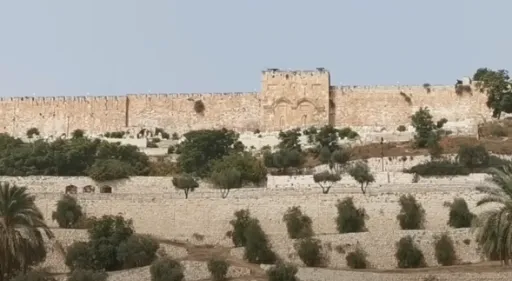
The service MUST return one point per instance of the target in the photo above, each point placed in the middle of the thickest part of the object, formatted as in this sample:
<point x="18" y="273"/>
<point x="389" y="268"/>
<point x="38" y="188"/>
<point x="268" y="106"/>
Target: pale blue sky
<point x="126" y="46"/>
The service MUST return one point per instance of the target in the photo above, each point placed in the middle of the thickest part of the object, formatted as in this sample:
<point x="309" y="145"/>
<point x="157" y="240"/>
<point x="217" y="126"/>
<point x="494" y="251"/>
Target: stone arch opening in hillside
<point x="89" y="189"/>
<point x="106" y="189"/>
<point x="71" y="189"/>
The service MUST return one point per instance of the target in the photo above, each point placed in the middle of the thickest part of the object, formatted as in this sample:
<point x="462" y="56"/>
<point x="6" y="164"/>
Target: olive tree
<point x="361" y="173"/>
<point x="227" y="179"/>
<point x="186" y="183"/>
<point x="326" y="180"/>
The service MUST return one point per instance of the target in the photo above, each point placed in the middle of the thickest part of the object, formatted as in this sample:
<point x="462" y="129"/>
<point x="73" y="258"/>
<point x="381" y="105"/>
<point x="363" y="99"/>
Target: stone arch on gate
<point x="106" y="189"/>
<point x="306" y="110"/>
<point x="71" y="189"/>
<point x="89" y="189"/>
<point x="282" y="107"/>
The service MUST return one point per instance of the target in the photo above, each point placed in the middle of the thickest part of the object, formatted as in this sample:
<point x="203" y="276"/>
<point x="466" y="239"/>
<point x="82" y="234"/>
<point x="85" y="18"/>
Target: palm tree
<point x="22" y="228"/>
<point x="493" y="227"/>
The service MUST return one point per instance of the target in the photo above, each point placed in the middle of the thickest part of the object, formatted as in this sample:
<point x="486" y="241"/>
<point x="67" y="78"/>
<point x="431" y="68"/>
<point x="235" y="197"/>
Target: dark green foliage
<point x="310" y="252"/>
<point x="439" y="168"/>
<point x="445" y="250"/>
<point x="298" y="224"/>
<point x="175" y="136"/>
<point x="32" y="132"/>
<point x="257" y="246"/>
<point x="170" y="149"/>
<point x="426" y="130"/>
<point x="109" y="169"/>
<point x="357" y="259"/>
<point x="166" y="269"/>
<point x="218" y="269"/>
<point x="326" y="180"/>
<point x="68" y="212"/>
<point x="401" y="128"/>
<point x="412" y="214"/>
<point x="34" y="276"/>
<point x="283" y="160"/>
<point x="361" y="173"/>
<point x="473" y="156"/>
<point x="327" y="137"/>
<point x="78" y="134"/>
<point x="497" y="85"/>
<point x="289" y="140"/>
<point x="87" y="275"/>
<point x="162" y="132"/>
<point x="185" y="182"/>
<point x="408" y="255"/>
<point x="460" y="216"/>
<point x="282" y="272"/>
<point x="201" y="147"/>
<point x="348" y="133"/>
<point x="73" y="157"/>
<point x="240" y="224"/>
<point x="115" y="135"/>
<point x="112" y="246"/>
<point x="350" y="219"/>
<point x="252" y="170"/>
<point x="137" y="251"/>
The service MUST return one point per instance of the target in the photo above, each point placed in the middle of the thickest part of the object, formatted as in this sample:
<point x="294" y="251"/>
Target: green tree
<point x="473" y="157"/>
<point x="137" y="251"/>
<point x="283" y="160"/>
<point x="22" y="231"/>
<point x="68" y="212"/>
<point x="361" y="173"/>
<point x="252" y="169"/>
<point x="350" y="219"/>
<point x="186" y="183"/>
<point x="166" y="269"/>
<point x="493" y="227"/>
<point x="326" y="180"/>
<point x="428" y="132"/>
<point x="225" y="180"/>
<point x="257" y="246"/>
<point x="240" y="224"/>
<point x="289" y="140"/>
<point x="201" y="147"/>
<point x="497" y="85"/>
<point x="218" y="269"/>
<point x="282" y="272"/>
<point x="412" y="214"/>
<point x="32" y="132"/>
<point x="109" y="169"/>
<point x="459" y="215"/>
<point x="298" y="224"/>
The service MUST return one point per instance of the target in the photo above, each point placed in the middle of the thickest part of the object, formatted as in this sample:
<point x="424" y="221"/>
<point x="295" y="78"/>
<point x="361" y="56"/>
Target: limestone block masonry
<point x="286" y="99"/>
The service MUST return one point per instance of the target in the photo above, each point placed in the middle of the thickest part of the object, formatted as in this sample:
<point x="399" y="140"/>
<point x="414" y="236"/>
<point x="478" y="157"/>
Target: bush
<point x="79" y="256"/>
<point x="460" y="216"/>
<point x="350" y="219"/>
<point x="412" y="214"/>
<point x="199" y="106"/>
<point x="34" y="276"/>
<point x="408" y="255"/>
<point x="444" y="250"/>
<point x="473" y="156"/>
<point x="218" y="269"/>
<point x="282" y="272"/>
<point x="166" y="269"/>
<point x="357" y="259"/>
<point x="310" y="252"/>
<point x="401" y="128"/>
<point x="87" y="275"/>
<point x="240" y="224"/>
<point x="170" y="149"/>
<point x="32" y="132"/>
<point x="68" y="212"/>
<point x="439" y="168"/>
<point x="257" y="247"/>
<point x="137" y="251"/>
<point x="298" y="224"/>
<point x="110" y="169"/>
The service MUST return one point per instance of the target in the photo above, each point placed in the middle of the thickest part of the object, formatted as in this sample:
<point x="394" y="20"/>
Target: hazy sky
<point x="111" y="47"/>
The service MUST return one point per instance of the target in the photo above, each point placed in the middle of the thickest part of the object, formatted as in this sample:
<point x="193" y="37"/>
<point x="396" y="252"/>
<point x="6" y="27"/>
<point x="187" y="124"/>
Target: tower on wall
<point x="291" y="99"/>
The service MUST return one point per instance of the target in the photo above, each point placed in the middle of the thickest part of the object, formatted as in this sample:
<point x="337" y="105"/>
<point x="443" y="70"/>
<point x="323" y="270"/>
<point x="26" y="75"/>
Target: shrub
<point x="166" y="269"/>
<point x="79" y="256"/>
<point x="357" y="259"/>
<point x="257" y="247"/>
<point x="34" y="276"/>
<point x="439" y="168"/>
<point x="444" y="250"/>
<point x="282" y="272"/>
<point x="401" y="128"/>
<point x="350" y="219"/>
<point x="218" y="269"/>
<point x="109" y="169"/>
<point x="408" y="255"/>
<point x="460" y="216"/>
<point x="175" y="136"/>
<point x="240" y="224"/>
<point x="68" y="212"/>
<point x="348" y="133"/>
<point x="412" y="214"/>
<point x="138" y="250"/>
<point x="170" y="149"/>
<point x="87" y="275"/>
<point x="473" y="156"/>
<point x="310" y="252"/>
<point x="199" y="106"/>
<point x="298" y="224"/>
<point x="32" y="132"/>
